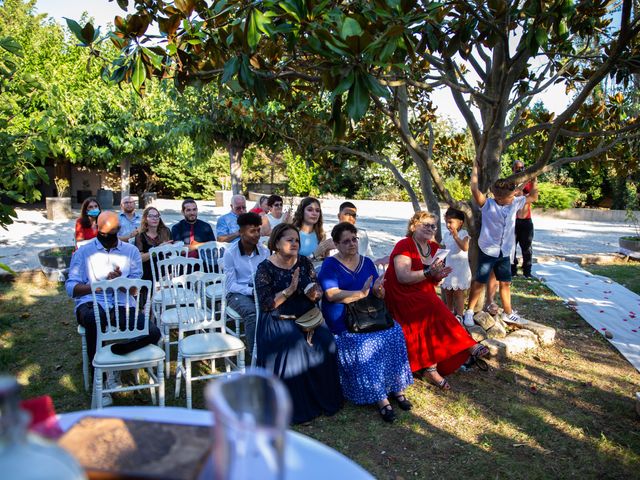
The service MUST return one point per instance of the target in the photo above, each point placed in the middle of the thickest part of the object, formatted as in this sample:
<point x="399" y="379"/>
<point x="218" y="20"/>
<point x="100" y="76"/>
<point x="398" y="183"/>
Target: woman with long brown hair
<point x="308" y="220"/>
<point x="153" y="233"/>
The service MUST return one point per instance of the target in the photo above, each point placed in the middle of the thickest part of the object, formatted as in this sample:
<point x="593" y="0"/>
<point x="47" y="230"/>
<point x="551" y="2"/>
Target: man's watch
<point x="426" y="270"/>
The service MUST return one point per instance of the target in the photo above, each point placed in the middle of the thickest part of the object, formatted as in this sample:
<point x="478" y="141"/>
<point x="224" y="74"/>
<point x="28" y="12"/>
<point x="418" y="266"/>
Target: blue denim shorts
<point x="500" y="265"/>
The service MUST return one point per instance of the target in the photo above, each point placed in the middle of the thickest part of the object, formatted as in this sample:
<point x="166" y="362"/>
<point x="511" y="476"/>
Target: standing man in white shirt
<point x="240" y="263"/>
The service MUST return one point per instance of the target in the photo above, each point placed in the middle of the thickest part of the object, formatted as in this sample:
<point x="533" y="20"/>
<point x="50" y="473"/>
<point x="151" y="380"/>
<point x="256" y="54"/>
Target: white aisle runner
<point x="605" y="305"/>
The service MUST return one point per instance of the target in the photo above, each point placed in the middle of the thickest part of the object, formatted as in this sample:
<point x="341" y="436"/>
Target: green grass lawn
<point x="557" y="412"/>
<point x="627" y="274"/>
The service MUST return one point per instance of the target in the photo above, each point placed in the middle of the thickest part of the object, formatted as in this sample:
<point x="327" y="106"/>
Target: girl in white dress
<point x="458" y="281"/>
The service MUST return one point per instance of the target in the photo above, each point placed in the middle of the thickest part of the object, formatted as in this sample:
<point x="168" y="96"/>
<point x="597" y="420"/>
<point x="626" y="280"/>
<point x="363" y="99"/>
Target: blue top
<point x="308" y="243"/>
<point x="334" y="274"/>
<point x="202" y="232"/>
<point x="92" y="262"/>
<point x="228" y="224"/>
<point x="128" y="225"/>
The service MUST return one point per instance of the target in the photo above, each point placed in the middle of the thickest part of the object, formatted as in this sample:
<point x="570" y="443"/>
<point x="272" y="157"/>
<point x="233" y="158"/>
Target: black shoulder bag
<point x="368" y="314"/>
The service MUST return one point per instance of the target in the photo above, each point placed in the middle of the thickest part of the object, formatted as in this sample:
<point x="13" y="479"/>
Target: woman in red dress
<point x="436" y="342"/>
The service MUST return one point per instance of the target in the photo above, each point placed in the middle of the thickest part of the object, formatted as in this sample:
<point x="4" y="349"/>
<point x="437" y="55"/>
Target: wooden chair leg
<point x="85" y="362"/>
<point x="152" y="387"/>
<point x="97" y="381"/>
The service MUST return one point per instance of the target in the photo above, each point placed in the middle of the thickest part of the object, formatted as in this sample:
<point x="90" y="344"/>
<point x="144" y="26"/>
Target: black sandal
<point x="387" y="413"/>
<point x="442" y="384"/>
<point x="403" y="403"/>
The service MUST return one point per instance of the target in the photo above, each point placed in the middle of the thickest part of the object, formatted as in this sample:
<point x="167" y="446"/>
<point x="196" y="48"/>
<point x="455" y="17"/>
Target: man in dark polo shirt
<point x="190" y="230"/>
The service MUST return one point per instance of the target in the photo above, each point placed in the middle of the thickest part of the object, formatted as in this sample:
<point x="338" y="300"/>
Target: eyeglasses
<point x="278" y="204"/>
<point x="350" y="240"/>
<point x="519" y="169"/>
<point x="240" y="209"/>
<point x="153" y="216"/>
<point x="431" y="226"/>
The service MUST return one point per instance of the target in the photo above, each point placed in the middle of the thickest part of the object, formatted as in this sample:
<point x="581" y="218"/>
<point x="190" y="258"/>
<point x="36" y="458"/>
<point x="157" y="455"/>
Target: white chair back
<point x="211" y="254"/>
<point x="123" y="292"/>
<point x="163" y="252"/>
<point x="175" y="266"/>
<point x="196" y="313"/>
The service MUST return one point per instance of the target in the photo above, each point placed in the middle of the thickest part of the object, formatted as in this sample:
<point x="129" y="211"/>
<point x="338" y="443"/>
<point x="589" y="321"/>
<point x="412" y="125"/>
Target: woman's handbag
<point x="368" y="314"/>
<point x="309" y="321"/>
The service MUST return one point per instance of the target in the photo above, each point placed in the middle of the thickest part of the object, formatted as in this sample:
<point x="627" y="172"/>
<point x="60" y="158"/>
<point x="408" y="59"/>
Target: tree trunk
<point x="235" y="167"/>
<point x="125" y="176"/>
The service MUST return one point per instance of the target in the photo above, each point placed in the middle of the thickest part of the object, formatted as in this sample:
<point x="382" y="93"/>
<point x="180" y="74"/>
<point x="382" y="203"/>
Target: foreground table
<point x="305" y="458"/>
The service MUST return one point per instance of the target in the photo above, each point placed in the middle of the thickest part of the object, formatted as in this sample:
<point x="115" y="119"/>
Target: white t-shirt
<point x="498" y="227"/>
<point x="273" y="221"/>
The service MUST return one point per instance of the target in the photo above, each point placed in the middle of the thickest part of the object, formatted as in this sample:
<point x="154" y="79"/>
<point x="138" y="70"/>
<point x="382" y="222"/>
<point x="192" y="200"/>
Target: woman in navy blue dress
<point x="286" y="288"/>
<point x="373" y="366"/>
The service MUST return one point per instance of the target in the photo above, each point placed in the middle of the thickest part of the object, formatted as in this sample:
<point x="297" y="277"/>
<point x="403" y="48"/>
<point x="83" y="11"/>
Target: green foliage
<point x="556" y="196"/>
<point x="458" y="190"/>
<point x="302" y="175"/>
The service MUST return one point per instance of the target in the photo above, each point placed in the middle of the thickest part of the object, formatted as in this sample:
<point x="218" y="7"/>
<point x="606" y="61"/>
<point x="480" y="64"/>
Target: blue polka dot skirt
<point x="373" y="365"/>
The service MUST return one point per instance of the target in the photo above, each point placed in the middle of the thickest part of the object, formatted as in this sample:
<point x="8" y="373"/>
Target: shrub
<point x="556" y="196"/>
<point x="302" y="175"/>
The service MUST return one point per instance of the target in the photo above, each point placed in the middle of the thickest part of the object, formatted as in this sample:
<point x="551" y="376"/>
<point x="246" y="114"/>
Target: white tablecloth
<point x="305" y="458"/>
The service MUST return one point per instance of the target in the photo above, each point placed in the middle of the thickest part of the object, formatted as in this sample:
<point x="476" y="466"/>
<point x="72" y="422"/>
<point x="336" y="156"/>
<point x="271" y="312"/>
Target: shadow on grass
<point x="561" y="411"/>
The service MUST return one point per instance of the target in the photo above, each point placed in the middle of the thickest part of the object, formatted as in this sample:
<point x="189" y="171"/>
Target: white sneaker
<point x="513" y="318"/>
<point x="468" y="319"/>
<point x="107" y="401"/>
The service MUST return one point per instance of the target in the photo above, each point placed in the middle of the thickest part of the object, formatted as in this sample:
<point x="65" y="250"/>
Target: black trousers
<point x="524" y="238"/>
<point x="86" y="318"/>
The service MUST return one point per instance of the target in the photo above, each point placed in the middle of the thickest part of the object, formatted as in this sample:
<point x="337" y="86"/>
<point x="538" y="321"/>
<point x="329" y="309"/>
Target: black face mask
<point x="108" y="240"/>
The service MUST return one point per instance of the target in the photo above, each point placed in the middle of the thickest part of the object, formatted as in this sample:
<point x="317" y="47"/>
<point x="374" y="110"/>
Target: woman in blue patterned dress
<point x="286" y="288"/>
<point x="373" y="366"/>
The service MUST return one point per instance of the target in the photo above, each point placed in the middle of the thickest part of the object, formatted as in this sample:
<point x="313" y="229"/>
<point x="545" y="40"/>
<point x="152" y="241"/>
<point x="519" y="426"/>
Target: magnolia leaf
<point x="231" y="67"/>
<point x="11" y="46"/>
<point x="6" y="268"/>
<point x="139" y="73"/>
<point x="88" y="33"/>
<point x="76" y="29"/>
<point x="344" y="85"/>
<point x="358" y="99"/>
<point x="541" y="37"/>
<point x="350" y="28"/>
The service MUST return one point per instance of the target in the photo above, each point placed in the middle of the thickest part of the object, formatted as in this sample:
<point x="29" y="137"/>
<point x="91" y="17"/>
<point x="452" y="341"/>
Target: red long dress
<point x="432" y="333"/>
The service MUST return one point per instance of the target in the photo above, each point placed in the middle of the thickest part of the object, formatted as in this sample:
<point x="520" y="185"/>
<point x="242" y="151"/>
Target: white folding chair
<point x="211" y="254"/>
<point x="156" y="255"/>
<point x="167" y="319"/>
<point x="125" y="292"/>
<point x="202" y="331"/>
<point x="85" y="356"/>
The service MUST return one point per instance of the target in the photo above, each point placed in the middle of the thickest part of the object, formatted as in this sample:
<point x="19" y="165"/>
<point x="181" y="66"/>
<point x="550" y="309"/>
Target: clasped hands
<point x="378" y="287"/>
<point x="313" y="290"/>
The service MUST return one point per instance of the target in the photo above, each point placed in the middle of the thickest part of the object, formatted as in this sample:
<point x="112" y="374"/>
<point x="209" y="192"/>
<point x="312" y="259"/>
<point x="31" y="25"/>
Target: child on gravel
<point x="497" y="241"/>
<point x="458" y="281"/>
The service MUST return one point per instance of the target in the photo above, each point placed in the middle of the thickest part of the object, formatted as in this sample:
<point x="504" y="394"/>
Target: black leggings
<point x="524" y="237"/>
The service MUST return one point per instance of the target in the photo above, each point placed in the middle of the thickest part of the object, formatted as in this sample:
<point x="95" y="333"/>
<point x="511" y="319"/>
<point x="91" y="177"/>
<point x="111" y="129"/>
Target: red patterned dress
<point x="432" y="333"/>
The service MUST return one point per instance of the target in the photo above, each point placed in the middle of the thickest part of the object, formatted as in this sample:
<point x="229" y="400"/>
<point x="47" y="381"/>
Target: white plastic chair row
<point x="202" y="332"/>
<point x="129" y="294"/>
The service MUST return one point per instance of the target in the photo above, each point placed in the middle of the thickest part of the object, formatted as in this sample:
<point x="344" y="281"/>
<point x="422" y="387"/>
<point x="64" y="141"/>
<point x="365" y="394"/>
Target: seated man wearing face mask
<point x="104" y="258"/>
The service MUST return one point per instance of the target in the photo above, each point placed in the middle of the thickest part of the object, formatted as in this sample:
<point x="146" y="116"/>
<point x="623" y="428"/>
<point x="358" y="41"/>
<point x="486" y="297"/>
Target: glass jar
<point x="23" y="455"/>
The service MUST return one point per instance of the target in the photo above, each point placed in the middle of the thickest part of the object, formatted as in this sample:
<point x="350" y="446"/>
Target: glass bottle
<point x="26" y="456"/>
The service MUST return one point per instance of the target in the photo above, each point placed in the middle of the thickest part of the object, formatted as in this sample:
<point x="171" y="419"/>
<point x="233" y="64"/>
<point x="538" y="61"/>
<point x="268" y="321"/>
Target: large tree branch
<point x="466" y="112"/>
<point x="625" y="36"/>
<point x="385" y="162"/>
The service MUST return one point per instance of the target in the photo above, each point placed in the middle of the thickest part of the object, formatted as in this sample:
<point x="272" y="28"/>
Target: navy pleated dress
<point x="310" y="372"/>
